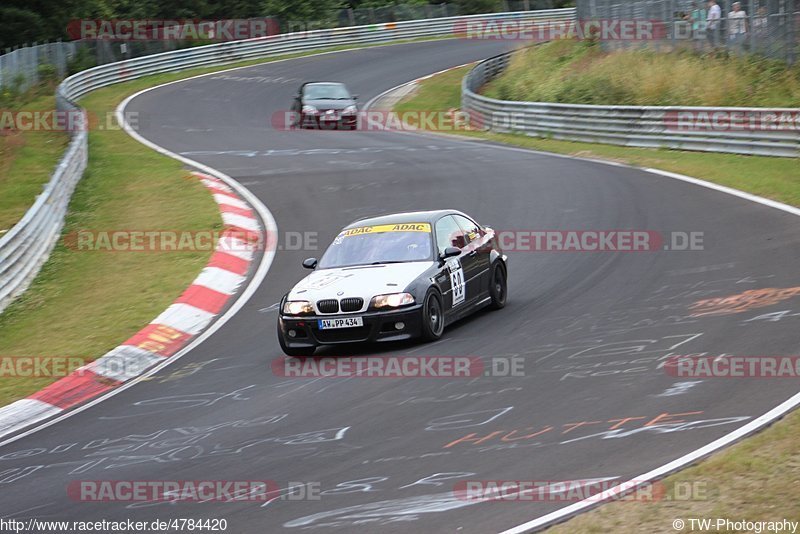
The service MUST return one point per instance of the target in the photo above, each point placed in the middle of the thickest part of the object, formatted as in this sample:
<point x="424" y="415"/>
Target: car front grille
<point x="352" y="304"/>
<point x="328" y="306"/>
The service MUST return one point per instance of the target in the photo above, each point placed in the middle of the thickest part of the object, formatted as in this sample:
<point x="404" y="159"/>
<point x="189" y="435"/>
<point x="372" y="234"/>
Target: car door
<point x="478" y="250"/>
<point x="474" y="262"/>
<point x="450" y="234"/>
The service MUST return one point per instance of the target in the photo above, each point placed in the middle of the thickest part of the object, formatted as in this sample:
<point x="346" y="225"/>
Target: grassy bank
<point x="754" y="480"/>
<point x="776" y="178"/>
<point x="26" y="157"/>
<point x="579" y="73"/>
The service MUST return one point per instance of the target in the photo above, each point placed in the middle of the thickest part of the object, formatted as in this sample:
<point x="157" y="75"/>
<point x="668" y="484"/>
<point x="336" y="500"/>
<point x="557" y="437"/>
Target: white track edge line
<point x="756" y="424"/>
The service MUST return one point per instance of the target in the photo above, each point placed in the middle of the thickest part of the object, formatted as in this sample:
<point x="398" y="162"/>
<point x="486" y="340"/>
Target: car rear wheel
<point x="432" y="317"/>
<point x="297" y="352"/>
<point x="498" y="286"/>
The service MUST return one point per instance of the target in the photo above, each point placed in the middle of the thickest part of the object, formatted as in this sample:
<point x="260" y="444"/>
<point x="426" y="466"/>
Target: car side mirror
<point x="355" y="97"/>
<point x="310" y="263"/>
<point x="450" y="252"/>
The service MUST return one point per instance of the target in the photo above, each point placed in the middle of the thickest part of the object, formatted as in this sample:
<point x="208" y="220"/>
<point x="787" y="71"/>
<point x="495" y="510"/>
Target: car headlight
<point x="310" y="110"/>
<point x="392" y="300"/>
<point x="349" y="110"/>
<point x="297" y="307"/>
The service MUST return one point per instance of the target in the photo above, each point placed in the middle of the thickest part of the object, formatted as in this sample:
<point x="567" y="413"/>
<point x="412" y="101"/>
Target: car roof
<point x="405" y="217"/>
<point x="322" y="83"/>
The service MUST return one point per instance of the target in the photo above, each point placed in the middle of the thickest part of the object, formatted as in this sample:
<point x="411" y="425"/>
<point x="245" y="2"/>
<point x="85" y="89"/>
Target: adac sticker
<point x="404" y="227"/>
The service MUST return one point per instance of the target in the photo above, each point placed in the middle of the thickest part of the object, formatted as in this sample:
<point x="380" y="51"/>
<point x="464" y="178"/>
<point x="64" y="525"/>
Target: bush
<point x="84" y="59"/>
<point x="47" y="73"/>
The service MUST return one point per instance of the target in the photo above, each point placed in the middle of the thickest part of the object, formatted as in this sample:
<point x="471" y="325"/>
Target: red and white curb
<point x="188" y="316"/>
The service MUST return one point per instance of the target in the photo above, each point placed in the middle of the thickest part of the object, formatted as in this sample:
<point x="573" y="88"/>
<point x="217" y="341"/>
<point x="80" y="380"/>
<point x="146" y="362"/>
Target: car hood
<point x="325" y="103"/>
<point x="363" y="281"/>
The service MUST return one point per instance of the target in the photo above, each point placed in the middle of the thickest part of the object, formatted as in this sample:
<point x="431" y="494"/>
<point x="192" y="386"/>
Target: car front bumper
<point x="378" y="326"/>
<point x="319" y="121"/>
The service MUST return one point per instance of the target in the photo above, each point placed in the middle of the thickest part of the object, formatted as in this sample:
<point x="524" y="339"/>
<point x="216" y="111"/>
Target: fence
<point x="766" y="27"/>
<point x="638" y="126"/>
<point x="19" y="69"/>
<point x="26" y="246"/>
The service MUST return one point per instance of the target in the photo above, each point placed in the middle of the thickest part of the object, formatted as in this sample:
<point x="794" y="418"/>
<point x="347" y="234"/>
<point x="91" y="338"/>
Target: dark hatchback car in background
<point x="325" y="106"/>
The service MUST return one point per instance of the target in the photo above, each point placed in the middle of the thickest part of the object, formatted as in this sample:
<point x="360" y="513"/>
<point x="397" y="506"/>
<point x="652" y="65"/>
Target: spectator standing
<point x="713" y="22"/>
<point x="737" y="27"/>
<point x="698" y="19"/>
<point x="761" y="28"/>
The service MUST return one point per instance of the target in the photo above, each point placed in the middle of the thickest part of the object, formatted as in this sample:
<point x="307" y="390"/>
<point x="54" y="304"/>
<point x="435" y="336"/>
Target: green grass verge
<point x="775" y="178"/>
<point x="581" y="73"/>
<point x="26" y="159"/>
<point x="754" y="480"/>
<point x="83" y="304"/>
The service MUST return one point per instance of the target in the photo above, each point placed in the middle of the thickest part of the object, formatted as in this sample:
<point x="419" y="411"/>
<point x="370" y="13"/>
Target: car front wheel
<point x="432" y="317"/>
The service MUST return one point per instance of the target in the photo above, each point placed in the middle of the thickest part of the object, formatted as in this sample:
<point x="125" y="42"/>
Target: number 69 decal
<point x="456" y="281"/>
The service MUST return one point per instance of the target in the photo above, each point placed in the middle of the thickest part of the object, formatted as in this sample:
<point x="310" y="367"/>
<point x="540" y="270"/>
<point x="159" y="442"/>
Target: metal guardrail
<point x="27" y="245"/>
<point x="636" y="126"/>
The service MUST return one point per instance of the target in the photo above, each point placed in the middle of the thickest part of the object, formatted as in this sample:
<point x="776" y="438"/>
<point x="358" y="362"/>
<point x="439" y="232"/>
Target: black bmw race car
<point x="394" y="277"/>
<point x="325" y="105"/>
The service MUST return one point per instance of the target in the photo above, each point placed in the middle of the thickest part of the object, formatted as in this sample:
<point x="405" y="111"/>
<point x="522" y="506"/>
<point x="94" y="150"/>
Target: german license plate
<point x="344" y="322"/>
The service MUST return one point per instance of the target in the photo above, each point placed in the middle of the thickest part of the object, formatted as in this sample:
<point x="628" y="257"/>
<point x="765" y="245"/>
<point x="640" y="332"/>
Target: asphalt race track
<point x="592" y="329"/>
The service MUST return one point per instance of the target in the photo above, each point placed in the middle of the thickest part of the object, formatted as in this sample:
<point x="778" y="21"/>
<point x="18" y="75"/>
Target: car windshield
<point x="375" y="245"/>
<point x="331" y="91"/>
